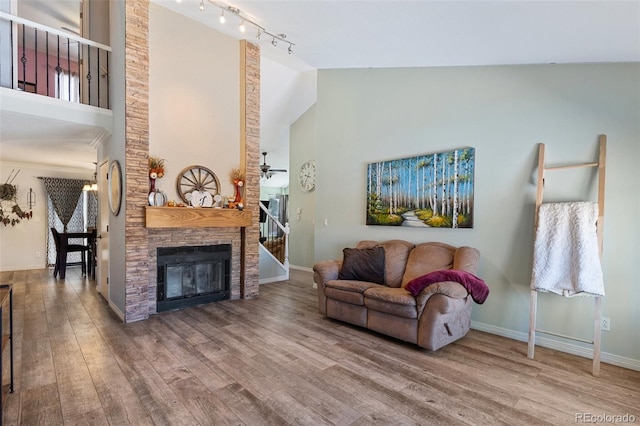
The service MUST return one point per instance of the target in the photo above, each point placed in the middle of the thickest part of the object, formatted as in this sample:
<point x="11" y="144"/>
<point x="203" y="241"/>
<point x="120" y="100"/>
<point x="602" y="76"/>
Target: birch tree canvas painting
<point x="432" y="190"/>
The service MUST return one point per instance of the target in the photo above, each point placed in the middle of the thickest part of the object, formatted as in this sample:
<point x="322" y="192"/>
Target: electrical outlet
<point x="605" y="324"/>
<point x="38" y="255"/>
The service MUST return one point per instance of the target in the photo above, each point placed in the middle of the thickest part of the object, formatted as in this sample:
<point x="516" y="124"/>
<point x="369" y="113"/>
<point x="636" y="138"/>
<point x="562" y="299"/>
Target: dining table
<point x="90" y="236"/>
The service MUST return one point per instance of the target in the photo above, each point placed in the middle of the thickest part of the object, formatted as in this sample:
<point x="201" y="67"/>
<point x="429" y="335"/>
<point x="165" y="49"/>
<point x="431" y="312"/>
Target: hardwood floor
<point x="276" y="360"/>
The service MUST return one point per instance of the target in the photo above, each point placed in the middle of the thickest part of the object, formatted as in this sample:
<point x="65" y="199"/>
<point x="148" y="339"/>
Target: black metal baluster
<point x="58" y="68"/>
<point x="12" y="64"/>
<point x="98" y="76"/>
<point x="46" y="42"/>
<point x="24" y="61"/>
<point x="89" y="75"/>
<point x="69" y="67"/>
<point x="36" y="61"/>
<point x="108" y="77"/>
<point x="79" y="80"/>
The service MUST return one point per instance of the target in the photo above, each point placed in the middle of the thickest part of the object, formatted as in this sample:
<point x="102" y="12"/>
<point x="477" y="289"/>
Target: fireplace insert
<point x="193" y="275"/>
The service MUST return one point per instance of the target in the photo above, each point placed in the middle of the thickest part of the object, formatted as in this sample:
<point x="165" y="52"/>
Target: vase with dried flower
<point x="156" y="171"/>
<point x="237" y="177"/>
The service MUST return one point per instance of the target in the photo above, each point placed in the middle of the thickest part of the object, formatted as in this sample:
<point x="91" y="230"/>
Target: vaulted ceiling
<point x="404" y="33"/>
<point x="386" y="33"/>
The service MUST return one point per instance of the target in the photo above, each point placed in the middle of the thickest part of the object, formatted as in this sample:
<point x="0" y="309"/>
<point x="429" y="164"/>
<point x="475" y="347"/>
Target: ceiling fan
<point x="266" y="171"/>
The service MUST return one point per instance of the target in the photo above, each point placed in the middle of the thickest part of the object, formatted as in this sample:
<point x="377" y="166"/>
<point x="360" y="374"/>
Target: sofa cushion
<point x="428" y="257"/>
<point x="350" y="297"/>
<point x="351" y="285"/>
<point x="396" y="253"/>
<point x="396" y="301"/>
<point x="365" y="264"/>
<point x="348" y="291"/>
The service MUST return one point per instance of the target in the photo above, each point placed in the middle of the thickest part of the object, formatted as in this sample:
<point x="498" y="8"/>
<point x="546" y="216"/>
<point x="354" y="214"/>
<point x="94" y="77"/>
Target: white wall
<point x="114" y="149"/>
<point x="194" y="98"/>
<point x="302" y="205"/>
<point x="370" y="115"/>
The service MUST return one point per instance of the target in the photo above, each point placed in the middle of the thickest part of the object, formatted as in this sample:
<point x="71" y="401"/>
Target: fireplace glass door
<point x="193" y="275"/>
<point x="193" y="279"/>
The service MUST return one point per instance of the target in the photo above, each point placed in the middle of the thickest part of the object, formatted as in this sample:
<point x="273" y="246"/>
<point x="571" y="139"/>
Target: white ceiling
<point x="29" y="139"/>
<point x="372" y="33"/>
<point x="401" y="33"/>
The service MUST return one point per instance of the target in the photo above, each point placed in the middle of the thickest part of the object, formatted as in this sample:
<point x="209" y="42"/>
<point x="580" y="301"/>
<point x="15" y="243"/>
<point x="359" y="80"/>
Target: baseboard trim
<point x="117" y="311"/>
<point x="272" y="279"/>
<point x="301" y="268"/>
<point x="620" y="361"/>
<point x="23" y="268"/>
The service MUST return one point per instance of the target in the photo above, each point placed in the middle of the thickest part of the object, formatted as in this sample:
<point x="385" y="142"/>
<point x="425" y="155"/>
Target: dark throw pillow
<point x="363" y="265"/>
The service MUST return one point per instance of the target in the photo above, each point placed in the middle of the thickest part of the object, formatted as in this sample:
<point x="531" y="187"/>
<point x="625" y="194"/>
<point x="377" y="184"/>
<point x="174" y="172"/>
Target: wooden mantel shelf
<point x="190" y="217"/>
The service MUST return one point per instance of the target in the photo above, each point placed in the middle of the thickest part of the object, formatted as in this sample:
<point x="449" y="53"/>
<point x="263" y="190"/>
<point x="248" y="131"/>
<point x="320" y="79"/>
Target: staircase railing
<point x="274" y="236"/>
<point x="54" y="63"/>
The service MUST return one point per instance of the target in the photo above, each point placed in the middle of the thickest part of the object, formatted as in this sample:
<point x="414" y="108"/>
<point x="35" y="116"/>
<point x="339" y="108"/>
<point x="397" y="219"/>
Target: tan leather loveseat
<point x="369" y="289"/>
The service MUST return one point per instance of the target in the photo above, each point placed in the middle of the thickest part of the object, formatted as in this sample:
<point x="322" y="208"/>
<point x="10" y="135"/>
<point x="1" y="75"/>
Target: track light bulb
<point x="201" y="5"/>
<point x="178" y="1"/>
<point x="242" y="27"/>
<point x="222" y="18"/>
<point x="259" y="34"/>
<point x="274" y="42"/>
<point x="290" y="50"/>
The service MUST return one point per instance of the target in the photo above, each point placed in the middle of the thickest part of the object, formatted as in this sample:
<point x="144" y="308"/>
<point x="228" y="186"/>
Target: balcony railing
<point x="274" y="236"/>
<point x="50" y="62"/>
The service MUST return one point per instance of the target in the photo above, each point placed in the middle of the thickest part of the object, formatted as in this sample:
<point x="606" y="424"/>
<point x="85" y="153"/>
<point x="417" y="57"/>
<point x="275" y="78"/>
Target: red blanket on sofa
<point x="476" y="287"/>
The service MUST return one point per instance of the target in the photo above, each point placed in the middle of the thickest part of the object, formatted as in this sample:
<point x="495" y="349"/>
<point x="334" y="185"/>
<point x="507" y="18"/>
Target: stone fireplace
<point x="134" y="293"/>
<point x="168" y="237"/>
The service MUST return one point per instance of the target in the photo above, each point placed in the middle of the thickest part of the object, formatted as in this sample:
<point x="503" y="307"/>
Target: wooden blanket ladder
<point x="599" y="229"/>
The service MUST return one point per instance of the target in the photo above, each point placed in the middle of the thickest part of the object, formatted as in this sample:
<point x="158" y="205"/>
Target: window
<point x="67" y="86"/>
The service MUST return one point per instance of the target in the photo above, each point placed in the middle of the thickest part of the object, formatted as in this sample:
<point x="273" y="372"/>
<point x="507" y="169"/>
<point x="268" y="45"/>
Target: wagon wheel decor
<point x="196" y="178"/>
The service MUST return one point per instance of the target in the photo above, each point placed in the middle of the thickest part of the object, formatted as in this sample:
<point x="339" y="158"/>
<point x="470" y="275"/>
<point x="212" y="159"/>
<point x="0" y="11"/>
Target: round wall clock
<point x="196" y="178"/>
<point x="307" y="176"/>
<point x="115" y="187"/>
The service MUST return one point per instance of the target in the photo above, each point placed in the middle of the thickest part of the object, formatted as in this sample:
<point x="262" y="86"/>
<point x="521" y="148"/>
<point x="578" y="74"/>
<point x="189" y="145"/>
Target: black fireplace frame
<point x="184" y="255"/>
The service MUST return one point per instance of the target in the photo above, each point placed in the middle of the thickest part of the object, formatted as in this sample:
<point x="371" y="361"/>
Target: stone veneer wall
<point x="141" y="243"/>
<point x="250" y="132"/>
<point x="136" y="158"/>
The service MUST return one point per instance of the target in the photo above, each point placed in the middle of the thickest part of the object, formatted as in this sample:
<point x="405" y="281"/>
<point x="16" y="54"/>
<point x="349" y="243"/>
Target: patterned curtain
<point x="92" y="209"/>
<point x="64" y="194"/>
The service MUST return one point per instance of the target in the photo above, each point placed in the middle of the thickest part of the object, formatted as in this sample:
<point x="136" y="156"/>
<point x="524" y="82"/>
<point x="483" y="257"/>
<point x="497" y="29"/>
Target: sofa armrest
<point x="447" y="288"/>
<point x="466" y="259"/>
<point x="324" y="271"/>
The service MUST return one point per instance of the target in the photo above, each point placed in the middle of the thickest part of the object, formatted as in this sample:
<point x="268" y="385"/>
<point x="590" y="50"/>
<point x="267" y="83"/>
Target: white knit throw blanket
<point x="565" y="253"/>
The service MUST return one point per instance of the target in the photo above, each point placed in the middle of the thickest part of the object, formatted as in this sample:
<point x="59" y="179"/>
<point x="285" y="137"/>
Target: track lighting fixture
<point x="244" y="20"/>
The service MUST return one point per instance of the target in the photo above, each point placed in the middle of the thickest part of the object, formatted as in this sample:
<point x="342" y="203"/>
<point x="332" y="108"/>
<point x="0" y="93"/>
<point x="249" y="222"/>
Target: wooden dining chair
<point x="71" y="248"/>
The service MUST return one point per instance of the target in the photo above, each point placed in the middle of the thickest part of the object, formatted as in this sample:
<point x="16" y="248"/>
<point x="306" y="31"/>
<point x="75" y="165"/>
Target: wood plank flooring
<point x="276" y="360"/>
